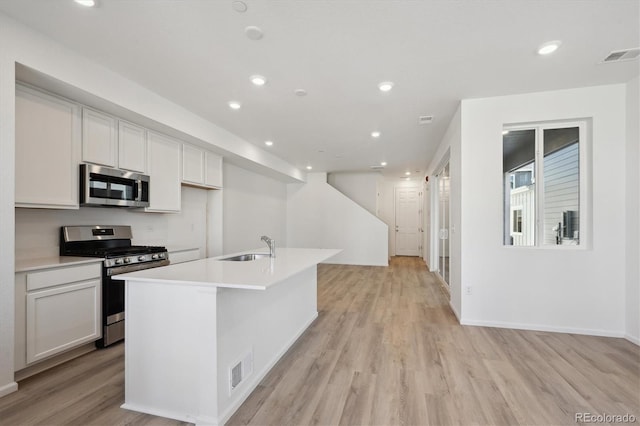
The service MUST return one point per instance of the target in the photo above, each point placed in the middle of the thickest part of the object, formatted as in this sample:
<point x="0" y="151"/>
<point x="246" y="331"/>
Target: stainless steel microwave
<point x="104" y="186"/>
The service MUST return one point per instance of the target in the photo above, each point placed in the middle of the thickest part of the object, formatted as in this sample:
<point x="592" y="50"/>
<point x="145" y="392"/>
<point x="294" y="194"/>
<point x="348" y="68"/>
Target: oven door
<point x="112" y="311"/>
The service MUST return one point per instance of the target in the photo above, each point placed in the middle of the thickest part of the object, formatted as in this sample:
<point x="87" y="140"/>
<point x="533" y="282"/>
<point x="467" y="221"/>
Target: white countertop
<point x="259" y="274"/>
<point x="53" y="262"/>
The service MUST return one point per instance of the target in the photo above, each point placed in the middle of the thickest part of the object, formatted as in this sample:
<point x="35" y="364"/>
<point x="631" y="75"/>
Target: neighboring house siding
<point x="523" y="199"/>
<point x="561" y="188"/>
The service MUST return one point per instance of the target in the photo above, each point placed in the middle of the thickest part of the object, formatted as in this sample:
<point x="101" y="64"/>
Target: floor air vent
<point x="240" y="371"/>
<point x="622" y="55"/>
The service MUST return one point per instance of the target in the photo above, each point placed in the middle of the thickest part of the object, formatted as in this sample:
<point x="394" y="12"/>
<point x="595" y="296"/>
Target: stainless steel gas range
<point x="113" y="244"/>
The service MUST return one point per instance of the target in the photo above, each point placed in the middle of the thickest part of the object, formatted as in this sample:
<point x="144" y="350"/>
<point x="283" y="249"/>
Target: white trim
<point x="633" y="339"/>
<point x="546" y="328"/>
<point x="257" y="378"/>
<point x="455" y="312"/>
<point x="8" y="388"/>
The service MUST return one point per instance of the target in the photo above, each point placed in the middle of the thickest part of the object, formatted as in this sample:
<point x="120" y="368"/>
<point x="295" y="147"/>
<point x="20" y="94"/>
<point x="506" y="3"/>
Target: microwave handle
<point x="139" y="194"/>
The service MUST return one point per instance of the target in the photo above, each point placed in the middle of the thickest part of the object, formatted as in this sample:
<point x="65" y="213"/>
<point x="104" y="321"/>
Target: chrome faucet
<point x="272" y="245"/>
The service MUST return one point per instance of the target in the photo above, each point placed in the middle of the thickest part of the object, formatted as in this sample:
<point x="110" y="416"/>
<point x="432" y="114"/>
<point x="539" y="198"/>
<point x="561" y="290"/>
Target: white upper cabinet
<point x="200" y="167"/>
<point x="163" y="161"/>
<point x="47" y="150"/>
<point x="99" y="138"/>
<point x="132" y="147"/>
<point x="192" y="164"/>
<point x="213" y="170"/>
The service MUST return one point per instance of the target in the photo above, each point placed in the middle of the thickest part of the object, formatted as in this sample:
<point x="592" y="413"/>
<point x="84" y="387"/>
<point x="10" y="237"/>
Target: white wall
<point x="450" y="148"/>
<point x="38" y="230"/>
<point x="254" y="205"/>
<point x="362" y="188"/>
<point x="320" y="216"/>
<point x="575" y="290"/>
<point x="632" y="228"/>
<point x="7" y="197"/>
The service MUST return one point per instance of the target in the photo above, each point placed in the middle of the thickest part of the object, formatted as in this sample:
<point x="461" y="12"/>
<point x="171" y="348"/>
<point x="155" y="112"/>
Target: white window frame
<point x="585" y="180"/>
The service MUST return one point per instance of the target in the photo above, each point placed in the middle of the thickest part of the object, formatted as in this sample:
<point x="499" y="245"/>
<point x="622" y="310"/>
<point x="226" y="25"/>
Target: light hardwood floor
<point x="385" y="350"/>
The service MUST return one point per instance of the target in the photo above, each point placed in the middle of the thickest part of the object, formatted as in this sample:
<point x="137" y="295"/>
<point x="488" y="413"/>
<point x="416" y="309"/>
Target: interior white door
<point x="408" y="224"/>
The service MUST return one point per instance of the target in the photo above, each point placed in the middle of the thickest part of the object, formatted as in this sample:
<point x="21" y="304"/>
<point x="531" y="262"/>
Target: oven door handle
<point x="135" y="267"/>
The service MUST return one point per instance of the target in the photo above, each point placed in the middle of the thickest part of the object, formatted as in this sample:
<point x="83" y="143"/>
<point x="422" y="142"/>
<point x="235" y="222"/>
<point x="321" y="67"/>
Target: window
<point x="516" y="224"/>
<point x="543" y="168"/>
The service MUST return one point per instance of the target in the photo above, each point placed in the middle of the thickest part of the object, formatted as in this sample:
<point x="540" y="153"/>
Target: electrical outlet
<point x="468" y="291"/>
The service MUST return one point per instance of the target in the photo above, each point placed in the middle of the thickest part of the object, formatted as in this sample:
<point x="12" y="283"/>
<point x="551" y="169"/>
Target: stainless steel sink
<point x="246" y="257"/>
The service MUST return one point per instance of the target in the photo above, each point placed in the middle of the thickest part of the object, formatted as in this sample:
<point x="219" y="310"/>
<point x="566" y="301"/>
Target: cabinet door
<point x="47" y="150"/>
<point x="192" y="164"/>
<point x="213" y="170"/>
<point x="163" y="162"/>
<point x="132" y="147"/>
<point x="99" y="138"/>
<point x="60" y="318"/>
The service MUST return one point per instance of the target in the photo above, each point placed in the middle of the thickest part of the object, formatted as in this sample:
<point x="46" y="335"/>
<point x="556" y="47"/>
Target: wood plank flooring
<point x="385" y="350"/>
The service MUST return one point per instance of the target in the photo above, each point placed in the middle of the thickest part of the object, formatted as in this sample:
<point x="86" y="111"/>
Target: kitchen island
<point x="199" y="336"/>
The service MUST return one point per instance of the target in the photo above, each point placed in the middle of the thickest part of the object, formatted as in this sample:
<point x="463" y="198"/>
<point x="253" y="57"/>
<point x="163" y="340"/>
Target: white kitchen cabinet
<point x="57" y="309"/>
<point x="132" y="147"/>
<point x="201" y="167"/>
<point x="163" y="161"/>
<point x="213" y="170"/>
<point x="184" y="255"/>
<point x="192" y="164"/>
<point x="47" y="150"/>
<point x="99" y="138"/>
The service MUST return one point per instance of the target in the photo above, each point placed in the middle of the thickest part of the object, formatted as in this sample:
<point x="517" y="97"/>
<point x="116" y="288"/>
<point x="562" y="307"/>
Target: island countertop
<point x="259" y="274"/>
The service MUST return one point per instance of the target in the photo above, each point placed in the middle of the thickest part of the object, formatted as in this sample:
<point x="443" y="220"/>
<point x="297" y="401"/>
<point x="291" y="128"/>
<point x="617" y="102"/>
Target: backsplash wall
<point x="38" y="230"/>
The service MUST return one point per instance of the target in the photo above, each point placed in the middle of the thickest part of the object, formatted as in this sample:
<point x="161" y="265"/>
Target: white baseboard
<point x="8" y="388"/>
<point x="158" y="412"/>
<point x="633" y="339"/>
<point x="538" y="327"/>
<point x="257" y="378"/>
<point x="455" y="312"/>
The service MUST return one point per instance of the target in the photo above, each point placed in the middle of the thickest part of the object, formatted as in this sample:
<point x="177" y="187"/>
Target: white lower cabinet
<point x="184" y="255"/>
<point x="57" y="309"/>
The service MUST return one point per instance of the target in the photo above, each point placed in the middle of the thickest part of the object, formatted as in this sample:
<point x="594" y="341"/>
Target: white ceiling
<point x="437" y="52"/>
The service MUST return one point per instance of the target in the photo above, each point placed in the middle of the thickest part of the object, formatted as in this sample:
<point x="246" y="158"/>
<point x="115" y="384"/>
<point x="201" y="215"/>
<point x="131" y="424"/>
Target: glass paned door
<point x="443" y="223"/>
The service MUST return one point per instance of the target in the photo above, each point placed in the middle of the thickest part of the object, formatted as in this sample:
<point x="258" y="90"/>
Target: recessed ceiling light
<point x="300" y="92"/>
<point x="385" y="86"/>
<point x="258" y="80"/>
<point x="239" y="6"/>
<point x="407" y="173"/>
<point x="234" y="105"/>
<point x="268" y="143"/>
<point x="86" y="3"/>
<point x="254" y="33"/>
<point x="549" y="47"/>
<point x="384" y="163"/>
<point x="375" y="134"/>
<point x="309" y="167"/>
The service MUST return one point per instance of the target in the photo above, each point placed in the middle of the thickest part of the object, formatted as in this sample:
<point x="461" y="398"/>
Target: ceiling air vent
<point x="376" y="167"/>
<point x="622" y="55"/>
<point x="425" y="119"/>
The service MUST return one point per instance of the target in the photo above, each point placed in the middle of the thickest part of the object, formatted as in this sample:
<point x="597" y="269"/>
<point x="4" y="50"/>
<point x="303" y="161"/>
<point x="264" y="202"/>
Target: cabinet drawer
<point x="53" y="277"/>
<point x="184" y="256"/>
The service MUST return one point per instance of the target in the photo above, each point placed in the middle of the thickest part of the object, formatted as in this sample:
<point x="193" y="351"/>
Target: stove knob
<point x="161" y="255"/>
<point x="127" y="260"/>
<point x="154" y="256"/>
<point x="140" y="258"/>
<point x="118" y="261"/>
